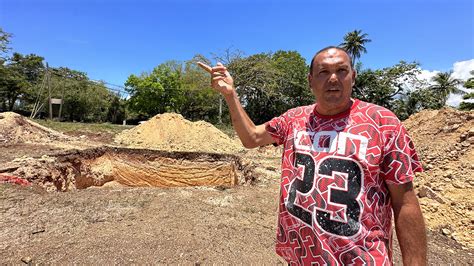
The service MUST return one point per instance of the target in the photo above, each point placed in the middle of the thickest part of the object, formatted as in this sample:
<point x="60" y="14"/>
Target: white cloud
<point x="461" y="71"/>
<point x="427" y="75"/>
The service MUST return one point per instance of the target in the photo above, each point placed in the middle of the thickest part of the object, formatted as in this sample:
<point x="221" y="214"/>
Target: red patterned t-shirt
<point x="335" y="207"/>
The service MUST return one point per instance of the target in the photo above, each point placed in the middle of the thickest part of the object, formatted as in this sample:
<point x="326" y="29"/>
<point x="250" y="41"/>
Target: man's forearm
<point x="411" y="234"/>
<point x="241" y="122"/>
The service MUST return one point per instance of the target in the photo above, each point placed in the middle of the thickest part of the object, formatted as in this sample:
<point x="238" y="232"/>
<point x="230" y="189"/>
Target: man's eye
<point x="342" y="70"/>
<point x="323" y="72"/>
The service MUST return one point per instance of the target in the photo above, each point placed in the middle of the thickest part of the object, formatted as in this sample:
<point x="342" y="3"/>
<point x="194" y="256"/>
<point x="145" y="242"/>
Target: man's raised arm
<point x="250" y="135"/>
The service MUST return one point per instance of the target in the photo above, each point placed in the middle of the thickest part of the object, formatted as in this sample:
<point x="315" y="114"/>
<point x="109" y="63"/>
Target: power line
<point x="100" y="82"/>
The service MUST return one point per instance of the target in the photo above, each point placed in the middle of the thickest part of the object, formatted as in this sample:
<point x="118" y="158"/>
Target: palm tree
<point x="354" y="42"/>
<point x="444" y="85"/>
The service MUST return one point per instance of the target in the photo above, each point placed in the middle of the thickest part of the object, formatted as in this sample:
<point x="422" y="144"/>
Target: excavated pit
<point x="129" y="167"/>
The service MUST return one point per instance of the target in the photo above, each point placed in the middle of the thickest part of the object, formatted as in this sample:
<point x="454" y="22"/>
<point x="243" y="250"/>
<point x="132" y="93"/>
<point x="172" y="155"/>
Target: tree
<point x="354" y="44"/>
<point x="444" y="85"/>
<point x="414" y="101"/>
<point x="156" y="92"/>
<point x="18" y="76"/>
<point x="292" y="74"/>
<point x="383" y="86"/>
<point x="116" y="112"/>
<point x="271" y="83"/>
<point x="200" y="101"/>
<point x="468" y="103"/>
<point x="83" y="100"/>
<point x="4" y="42"/>
<point x="255" y="80"/>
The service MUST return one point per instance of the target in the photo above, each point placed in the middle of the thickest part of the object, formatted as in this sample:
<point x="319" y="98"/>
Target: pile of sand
<point x="15" y="128"/>
<point x="172" y="132"/>
<point x="444" y="139"/>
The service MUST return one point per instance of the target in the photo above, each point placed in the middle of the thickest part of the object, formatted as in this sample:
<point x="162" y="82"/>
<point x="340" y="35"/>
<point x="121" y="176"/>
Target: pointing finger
<point x="205" y="67"/>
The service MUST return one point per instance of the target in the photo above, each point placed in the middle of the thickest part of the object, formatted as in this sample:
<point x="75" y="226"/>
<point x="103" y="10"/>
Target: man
<point x="346" y="165"/>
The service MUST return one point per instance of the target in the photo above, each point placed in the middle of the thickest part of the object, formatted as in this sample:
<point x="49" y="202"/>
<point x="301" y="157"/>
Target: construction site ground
<point x="207" y="224"/>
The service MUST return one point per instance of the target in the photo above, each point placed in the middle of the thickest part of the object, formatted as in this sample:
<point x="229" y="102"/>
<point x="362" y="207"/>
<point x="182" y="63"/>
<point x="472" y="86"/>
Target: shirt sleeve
<point x="278" y="128"/>
<point x="400" y="161"/>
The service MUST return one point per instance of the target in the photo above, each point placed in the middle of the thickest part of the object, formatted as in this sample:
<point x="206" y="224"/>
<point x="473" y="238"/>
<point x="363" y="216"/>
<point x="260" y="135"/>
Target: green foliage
<point x="18" y="76"/>
<point x="84" y="100"/>
<point x="200" y="101"/>
<point x="444" y="85"/>
<point x="415" y="101"/>
<point x="469" y="84"/>
<point x="4" y="44"/>
<point x="269" y="84"/>
<point x="156" y="92"/>
<point x="117" y="109"/>
<point x="293" y="78"/>
<point x="383" y="86"/>
<point x="354" y="44"/>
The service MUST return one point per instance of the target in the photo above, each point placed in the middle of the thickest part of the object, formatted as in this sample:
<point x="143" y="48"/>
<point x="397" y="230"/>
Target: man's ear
<point x="354" y="76"/>
<point x="310" y="78"/>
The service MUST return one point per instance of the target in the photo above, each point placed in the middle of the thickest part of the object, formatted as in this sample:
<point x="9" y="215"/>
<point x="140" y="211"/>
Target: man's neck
<point x="333" y="111"/>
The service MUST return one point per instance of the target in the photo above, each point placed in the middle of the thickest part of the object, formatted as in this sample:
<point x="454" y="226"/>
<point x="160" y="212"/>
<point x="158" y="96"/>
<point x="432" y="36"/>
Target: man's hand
<point x="221" y="80"/>
<point x="251" y="136"/>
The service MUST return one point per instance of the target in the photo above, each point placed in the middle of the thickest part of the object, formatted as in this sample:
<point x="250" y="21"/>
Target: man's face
<point x="332" y="79"/>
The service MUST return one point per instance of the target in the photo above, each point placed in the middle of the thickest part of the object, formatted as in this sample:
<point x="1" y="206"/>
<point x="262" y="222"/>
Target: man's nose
<point x="333" y="77"/>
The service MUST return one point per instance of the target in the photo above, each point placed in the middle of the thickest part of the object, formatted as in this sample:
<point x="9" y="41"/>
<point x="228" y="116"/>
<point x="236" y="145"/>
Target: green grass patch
<point x="227" y="129"/>
<point x="66" y="127"/>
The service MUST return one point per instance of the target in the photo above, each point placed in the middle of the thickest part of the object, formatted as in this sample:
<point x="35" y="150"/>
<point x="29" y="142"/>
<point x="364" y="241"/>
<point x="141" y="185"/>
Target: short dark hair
<point x="325" y="49"/>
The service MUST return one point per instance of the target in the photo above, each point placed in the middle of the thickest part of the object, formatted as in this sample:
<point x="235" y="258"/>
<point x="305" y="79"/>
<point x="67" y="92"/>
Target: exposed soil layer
<point x="129" y="167"/>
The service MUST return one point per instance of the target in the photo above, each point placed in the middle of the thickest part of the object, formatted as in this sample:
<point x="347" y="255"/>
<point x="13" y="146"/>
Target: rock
<point x="26" y="260"/>
<point x="458" y="185"/>
<point x="471" y="140"/>
<point x="449" y="174"/>
<point x="446" y="231"/>
<point x="428" y="192"/>
<point x="465" y="144"/>
<point x="470" y="133"/>
<point x="462" y="137"/>
<point x="429" y="166"/>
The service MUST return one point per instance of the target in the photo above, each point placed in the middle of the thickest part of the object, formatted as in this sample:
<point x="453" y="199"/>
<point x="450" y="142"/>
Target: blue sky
<point x="109" y="40"/>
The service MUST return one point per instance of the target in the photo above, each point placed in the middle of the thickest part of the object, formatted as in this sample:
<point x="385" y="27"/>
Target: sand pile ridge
<point x="172" y="132"/>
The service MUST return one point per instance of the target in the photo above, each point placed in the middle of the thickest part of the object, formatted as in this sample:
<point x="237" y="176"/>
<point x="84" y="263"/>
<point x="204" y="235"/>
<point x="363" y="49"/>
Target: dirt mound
<point x="172" y="132"/>
<point x="15" y="128"/>
<point x="444" y="140"/>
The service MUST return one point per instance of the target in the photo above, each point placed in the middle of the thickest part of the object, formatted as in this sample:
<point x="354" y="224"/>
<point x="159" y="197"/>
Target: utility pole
<point x="62" y="102"/>
<point x="48" y="82"/>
